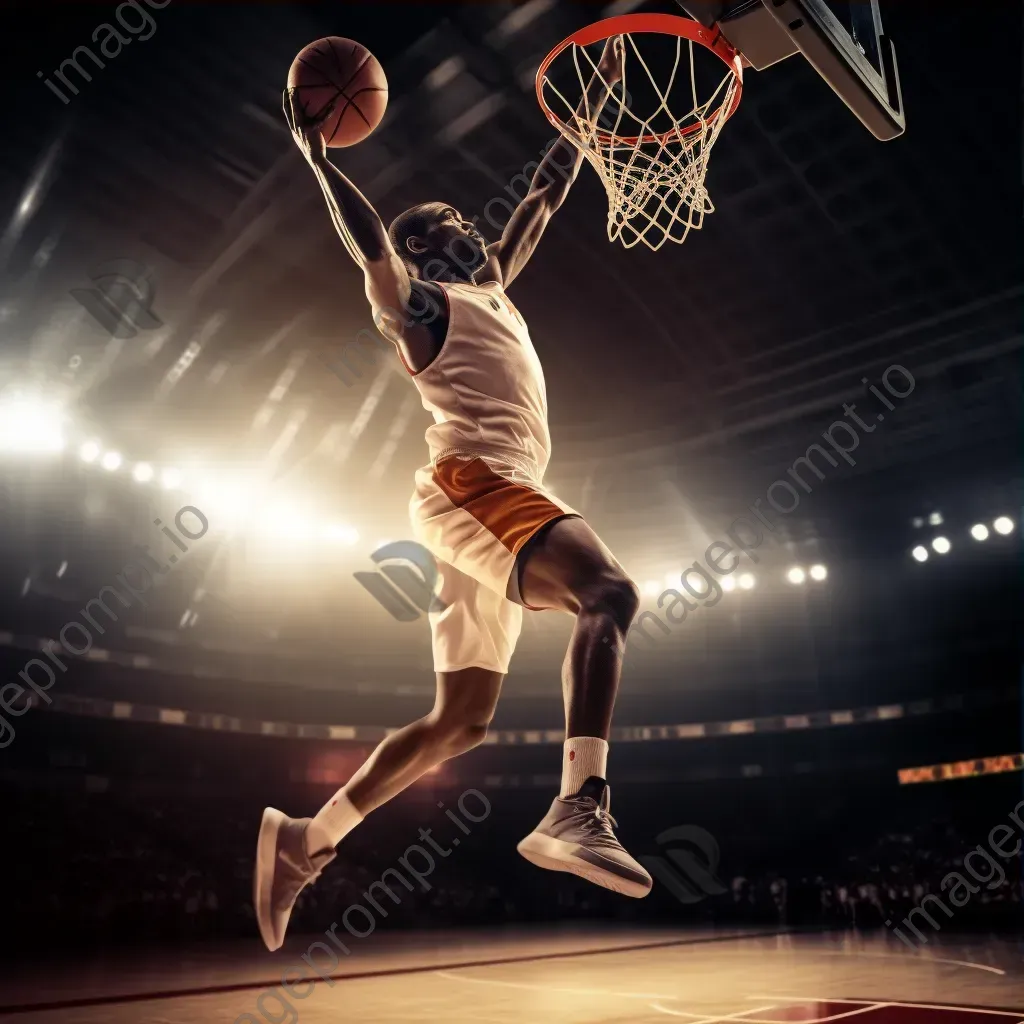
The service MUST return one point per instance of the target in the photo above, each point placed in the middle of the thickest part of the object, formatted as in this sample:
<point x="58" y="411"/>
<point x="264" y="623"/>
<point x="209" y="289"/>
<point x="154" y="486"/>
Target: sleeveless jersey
<point x="485" y="389"/>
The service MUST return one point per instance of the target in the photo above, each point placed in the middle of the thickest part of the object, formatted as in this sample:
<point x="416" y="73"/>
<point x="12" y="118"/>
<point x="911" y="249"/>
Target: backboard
<point x="842" y="39"/>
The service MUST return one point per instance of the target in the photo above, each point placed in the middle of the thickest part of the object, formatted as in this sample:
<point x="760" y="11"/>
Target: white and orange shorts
<point x="474" y="513"/>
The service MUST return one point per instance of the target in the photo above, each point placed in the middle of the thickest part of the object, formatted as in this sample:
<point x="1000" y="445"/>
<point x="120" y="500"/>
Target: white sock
<point x="582" y="756"/>
<point x="332" y="823"/>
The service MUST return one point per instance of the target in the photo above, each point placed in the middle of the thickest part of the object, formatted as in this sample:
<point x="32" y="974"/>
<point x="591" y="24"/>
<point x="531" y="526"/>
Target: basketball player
<point x="502" y="541"/>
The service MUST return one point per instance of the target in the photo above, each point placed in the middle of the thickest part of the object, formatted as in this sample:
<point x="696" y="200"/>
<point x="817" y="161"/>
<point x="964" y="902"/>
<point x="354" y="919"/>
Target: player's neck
<point x="453" y="276"/>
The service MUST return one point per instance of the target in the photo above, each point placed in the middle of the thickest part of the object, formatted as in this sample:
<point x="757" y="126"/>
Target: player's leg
<point x="565" y="566"/>
<point x="458" y="722"/>
<point x="291" y="852"/>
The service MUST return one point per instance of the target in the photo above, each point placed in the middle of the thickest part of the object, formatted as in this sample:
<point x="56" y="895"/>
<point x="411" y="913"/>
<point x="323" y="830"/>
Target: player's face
<point x="453" y="237"/>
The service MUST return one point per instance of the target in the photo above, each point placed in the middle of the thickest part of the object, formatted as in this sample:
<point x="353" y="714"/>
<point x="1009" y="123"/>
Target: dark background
<point x="682" y="383"/>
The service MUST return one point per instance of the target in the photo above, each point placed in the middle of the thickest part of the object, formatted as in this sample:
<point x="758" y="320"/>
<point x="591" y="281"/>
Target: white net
<point x="652" y="166"/>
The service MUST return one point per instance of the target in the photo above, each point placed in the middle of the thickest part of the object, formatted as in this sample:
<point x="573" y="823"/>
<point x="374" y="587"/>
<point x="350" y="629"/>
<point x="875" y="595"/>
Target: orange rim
<point x="661" y="24"/>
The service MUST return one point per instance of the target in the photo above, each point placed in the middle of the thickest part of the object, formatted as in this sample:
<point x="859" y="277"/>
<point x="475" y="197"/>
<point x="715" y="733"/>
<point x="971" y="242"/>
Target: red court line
<point x="865" y="1012"/>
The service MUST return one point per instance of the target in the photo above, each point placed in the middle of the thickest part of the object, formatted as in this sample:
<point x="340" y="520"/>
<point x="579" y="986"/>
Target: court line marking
<point x="703" y="1018"/>
<point x="872" y="1003"/>
<point x="914" y="959"/>
<point x="762" y="1020"/>
<point x="116" y="998"/>
<point x="555" y="988"/>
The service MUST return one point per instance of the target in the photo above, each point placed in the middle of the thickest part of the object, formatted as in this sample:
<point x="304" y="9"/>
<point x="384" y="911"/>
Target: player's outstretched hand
<point x="305" y="129"/>
<point x="612" y="57"/>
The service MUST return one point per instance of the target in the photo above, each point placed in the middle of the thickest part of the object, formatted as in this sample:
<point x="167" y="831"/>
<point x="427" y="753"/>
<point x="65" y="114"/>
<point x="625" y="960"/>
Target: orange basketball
<point x="343" y="72"/>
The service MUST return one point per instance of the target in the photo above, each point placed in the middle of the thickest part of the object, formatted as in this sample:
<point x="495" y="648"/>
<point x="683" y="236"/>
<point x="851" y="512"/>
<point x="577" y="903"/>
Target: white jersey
<point x="485" y="389"/>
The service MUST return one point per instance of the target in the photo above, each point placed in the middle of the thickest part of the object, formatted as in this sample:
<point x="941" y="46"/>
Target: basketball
<point x="343" y="72"/>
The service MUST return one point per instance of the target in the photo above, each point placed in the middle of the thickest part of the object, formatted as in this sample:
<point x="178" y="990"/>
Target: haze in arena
<point x="511" y="512"/>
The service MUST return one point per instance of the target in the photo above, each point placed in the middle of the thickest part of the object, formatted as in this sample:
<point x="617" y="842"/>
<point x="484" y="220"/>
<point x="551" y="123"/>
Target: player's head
<point x="435" y="242"/>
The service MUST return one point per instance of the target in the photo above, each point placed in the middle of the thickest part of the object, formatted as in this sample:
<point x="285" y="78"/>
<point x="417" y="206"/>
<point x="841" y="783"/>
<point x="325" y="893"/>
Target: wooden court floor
<point x="540" y="976"/>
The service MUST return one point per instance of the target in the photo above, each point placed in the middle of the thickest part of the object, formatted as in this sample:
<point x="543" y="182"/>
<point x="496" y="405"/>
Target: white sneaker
<point x="576" y="836"/>
<point x="283" y="870"/>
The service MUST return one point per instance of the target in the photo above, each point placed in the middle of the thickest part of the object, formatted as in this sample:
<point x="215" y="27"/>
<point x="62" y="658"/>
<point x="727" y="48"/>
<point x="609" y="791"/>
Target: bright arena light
<point x="796" y="575"/>
<point x="90" y="451"/>
<point x="935" y="519"/>
<point x="111" y="461"/>
<point x="920" y="553"/>
<point x="728" y="583"/>
<point x="1003" y="525"/>
<point x="818" y="572"/>
<point x="228" y="501"/>
<point x="143" y="472"/>
<point x="170" y="478"/>
<point x="650" y="589"/>
<point x="941" y="545"/>
<point x="746" y="581"/>
<point x="30" y="424"/>
<point x="979" y="531"/>
<point x="671" y="580"/>
<point x="285" y="522"/>
<point x="340" y="533"/>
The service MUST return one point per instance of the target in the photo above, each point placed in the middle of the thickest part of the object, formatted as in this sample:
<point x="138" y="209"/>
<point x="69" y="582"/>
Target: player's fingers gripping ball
<point x="340" y="83"/>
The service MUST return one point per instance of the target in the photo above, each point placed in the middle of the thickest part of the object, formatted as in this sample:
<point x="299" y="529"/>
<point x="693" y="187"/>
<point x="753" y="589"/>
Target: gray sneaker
<point x="576" y="836"/>
<point x="283" y="870"/>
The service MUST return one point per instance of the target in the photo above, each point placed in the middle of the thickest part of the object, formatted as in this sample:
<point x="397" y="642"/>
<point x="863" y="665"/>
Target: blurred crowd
<point x="883" y="879"/>
<point x="89" y="866"/>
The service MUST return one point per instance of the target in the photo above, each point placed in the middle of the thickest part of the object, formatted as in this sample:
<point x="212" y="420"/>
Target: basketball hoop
<point x="652" y="165"/>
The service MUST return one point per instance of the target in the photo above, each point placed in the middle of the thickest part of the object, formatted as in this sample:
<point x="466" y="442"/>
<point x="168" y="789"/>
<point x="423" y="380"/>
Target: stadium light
<point x="340" y="533"/>
<point x="979" y="531"/>
<point x="818" y="573"/>
<point x="920" y="553"/>
<point x="111" y="461"/>
<point x="796" y="575"/>
<point x="1003" y="525"/>
<point x="935" y="519"/>
<point x="90" y="451"/>
<point x="941" y="545"/>
<point x="285" y="522"/>
<point x="747" y="581"/>
<point x="728" y="583"/>
<point x="170" y="479"/>
<point x="143" y="472"/>
<point x="671" y="580"/>
<point x="651" y="588"/>
<point x="30" y="424"/>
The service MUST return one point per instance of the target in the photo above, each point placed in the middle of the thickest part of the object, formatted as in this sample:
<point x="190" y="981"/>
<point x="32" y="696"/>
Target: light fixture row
<point x="142" y="472"/>
<point x="941" y="545"/>
<point x="744" y="581"/>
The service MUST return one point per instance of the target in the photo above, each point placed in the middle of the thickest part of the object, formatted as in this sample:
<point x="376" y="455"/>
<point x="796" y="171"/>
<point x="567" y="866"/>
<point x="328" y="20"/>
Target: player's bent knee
<point x="473" y="735"/>
<point x="458" y="735"/>
<point x="613" y="594"/>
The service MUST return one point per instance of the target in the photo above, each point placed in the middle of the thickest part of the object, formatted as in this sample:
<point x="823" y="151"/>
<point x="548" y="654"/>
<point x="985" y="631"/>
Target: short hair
<point x="415" y="221"/>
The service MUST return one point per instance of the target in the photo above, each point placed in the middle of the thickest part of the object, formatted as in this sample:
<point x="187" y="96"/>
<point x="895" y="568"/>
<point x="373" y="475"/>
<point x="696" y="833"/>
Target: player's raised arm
<point x="356" y="221"/>
<point x="554" y="175"/>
